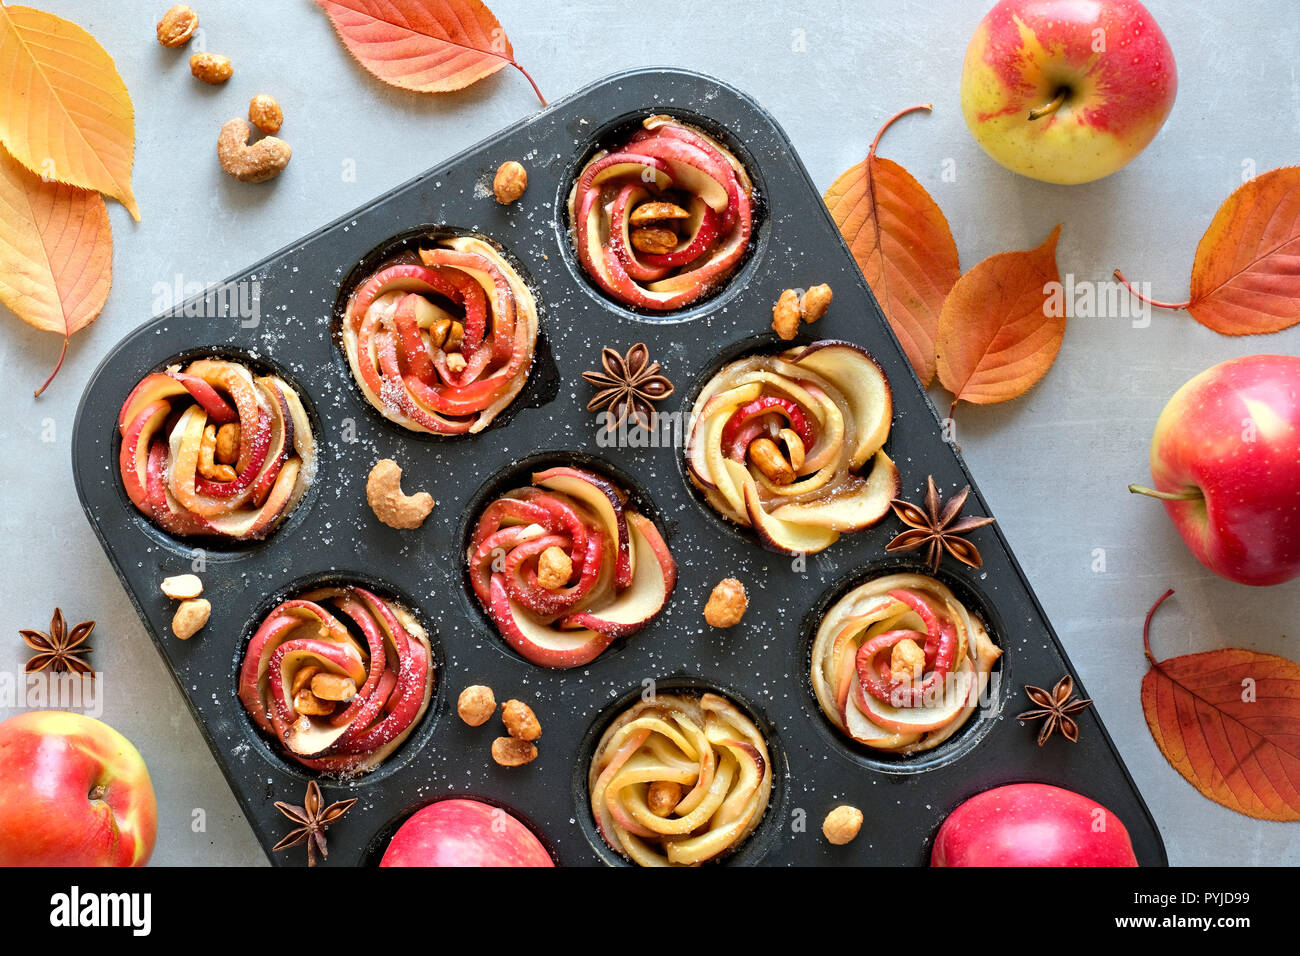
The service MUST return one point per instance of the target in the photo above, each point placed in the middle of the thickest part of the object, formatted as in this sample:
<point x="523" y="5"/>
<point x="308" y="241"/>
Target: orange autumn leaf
<point x="902" y="243"/>
<point x="1227" y="721"/>
<point x="1246" y="275"/>
<point x="999" y="331"/>
<point x="66" y="114"/>
<point x="56" y="253"/>
<point x="432" y="46"/>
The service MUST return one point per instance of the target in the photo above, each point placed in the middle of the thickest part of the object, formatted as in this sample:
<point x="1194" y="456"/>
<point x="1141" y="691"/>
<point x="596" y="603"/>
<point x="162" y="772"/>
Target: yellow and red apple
<point x="1225" y="458"/>
<point x="1032" y="824"/>
<point x="1067" y="91"/>
<point x="74" y="792"/>
<point x="464" y="833"/>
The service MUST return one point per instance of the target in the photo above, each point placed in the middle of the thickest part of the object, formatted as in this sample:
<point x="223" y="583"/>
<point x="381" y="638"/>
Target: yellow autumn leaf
<point x="56" y="252"/>
<point x="65" y="114"/>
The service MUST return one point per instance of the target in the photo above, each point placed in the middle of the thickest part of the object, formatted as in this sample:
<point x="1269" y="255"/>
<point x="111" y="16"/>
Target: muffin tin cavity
<point x="232" y="502"/>
<point x="991" y="700"/>
<point x="438" y="328"/>
<point x="643" y="280"/>
<point x="761" y="838"/>
<point x="330" y="626"/>
<point x="563" y="558"/>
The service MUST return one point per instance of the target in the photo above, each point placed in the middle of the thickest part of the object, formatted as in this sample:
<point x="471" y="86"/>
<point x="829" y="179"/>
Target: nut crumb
<point x="510" y="182"/>
<point x="521" y="723"/>
<point x="512" y="752"/>
<point x="842" y="825"/>
<point x="476" y="704"/>
<point x="190" y="617"/>
<point x="211" y="68"/>
<point x="815" y="302"/>
<point x="786" y="314"/>
<point x="177" y="26"/>
<point x="182" y="587"/>
<point x="663" y="797"/>
<point x="727" y="604"/>
<point x="554" y="568"/>
<point x="387" y="501"/>
<point x="265" y="113"/>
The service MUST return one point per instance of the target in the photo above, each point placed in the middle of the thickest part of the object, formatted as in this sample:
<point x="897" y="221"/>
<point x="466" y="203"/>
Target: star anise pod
<point x="312" y="820"/>
<point x="1054" y="709"/>
<point x="629" y="387"/>
<point x="937" y="528"/>
<point x="60" y="650"/>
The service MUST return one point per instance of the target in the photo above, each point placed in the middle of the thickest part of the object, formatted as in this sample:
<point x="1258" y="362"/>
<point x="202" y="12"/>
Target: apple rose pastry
<point x="564" y="567"/>
<point x="679" y="780"/>
<point x="779" y="443"/>
<point x="443" y="342"/>
<point x="899" y="663"/>
<point x="212" y="449"/>
<point x="339" y="677"/>
<point x="661" y="219"/>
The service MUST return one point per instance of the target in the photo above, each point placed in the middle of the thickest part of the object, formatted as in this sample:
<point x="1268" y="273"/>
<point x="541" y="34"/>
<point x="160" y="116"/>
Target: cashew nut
<point x="182" y="587"/>
<point x="251" y="163"/>
<point x="390" y="505"/>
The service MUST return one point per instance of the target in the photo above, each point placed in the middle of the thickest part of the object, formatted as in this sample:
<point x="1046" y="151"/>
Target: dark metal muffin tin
<point x="762" y="664"/>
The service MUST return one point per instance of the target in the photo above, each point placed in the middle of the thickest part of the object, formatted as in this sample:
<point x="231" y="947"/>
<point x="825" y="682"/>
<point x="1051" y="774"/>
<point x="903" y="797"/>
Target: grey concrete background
<point x="1053" y="464"/>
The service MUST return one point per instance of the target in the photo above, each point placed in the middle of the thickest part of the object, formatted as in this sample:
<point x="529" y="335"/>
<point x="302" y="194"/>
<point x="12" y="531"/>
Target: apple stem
<point x="1048" y="109"/>
<point x="1146" y="628"/>
<point x="1193" y="495"/>
<point x="1147" y="299"/>
<point x="890" y="122"/>
<point x="57" y="365"/>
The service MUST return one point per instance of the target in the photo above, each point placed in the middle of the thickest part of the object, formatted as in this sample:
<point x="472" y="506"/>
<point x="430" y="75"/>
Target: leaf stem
<point x="890" y="122"/>
<point x="530" y="80"/>
<point x="1146" y="627"/>
<point x="1147" y="299"/>
<point x="1194" y="495"/>
<point x="1048" y="109"/>
<point x="57" y="365"/>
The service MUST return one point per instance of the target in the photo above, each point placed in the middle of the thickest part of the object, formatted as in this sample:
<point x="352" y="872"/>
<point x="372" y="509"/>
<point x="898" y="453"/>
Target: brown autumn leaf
<point x="56" y="253"/>
<point x="432" y="46"/>
<point x="998" y="331"/>
<point x="1246" y="275"/>
<point x="1226" y="720"/>
<point x="66" y="114"/>
<point x="902" y="243"/>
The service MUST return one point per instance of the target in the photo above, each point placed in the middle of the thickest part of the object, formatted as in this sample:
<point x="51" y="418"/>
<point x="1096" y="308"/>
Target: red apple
<point x="464" y="833"/>
<point x="1032" y="824"/>
<point x="74" y="792"/>
<point x="1067" y="91"/>
<point x="1225" y="458"/>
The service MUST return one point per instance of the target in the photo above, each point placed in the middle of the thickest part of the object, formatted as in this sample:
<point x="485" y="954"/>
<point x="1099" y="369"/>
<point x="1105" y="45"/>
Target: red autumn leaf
<point x="432" y="46"/>
<point x="1246" y="275"/>
<point x="1229" y="722"/>
<point x="998" y="330"/>
<point x="902" y="243"/>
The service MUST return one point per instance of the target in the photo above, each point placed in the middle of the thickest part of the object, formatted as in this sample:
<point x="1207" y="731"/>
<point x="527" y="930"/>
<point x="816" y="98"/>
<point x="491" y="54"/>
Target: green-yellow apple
<point x="1225" y="458"/>
<point x="1067" y="91"/>
<point x="1032" y="824"/>
<point x="73" y="792"/>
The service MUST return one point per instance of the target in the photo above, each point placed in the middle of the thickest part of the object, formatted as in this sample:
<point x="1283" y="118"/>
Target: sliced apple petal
<point x="861" y="508"/>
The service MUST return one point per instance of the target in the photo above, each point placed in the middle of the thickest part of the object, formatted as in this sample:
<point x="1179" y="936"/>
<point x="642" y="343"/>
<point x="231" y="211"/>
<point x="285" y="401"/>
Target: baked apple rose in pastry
<point x="564" y="567"/>
<point x="899" y="663"/>
<point x="211" y="449"/>
<point x="443" y="342"/>
<point x="679" y="780"/>
<point x="661" y="219"/>
<point x="782" y="444"/>
<point x="339" y="677"/>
